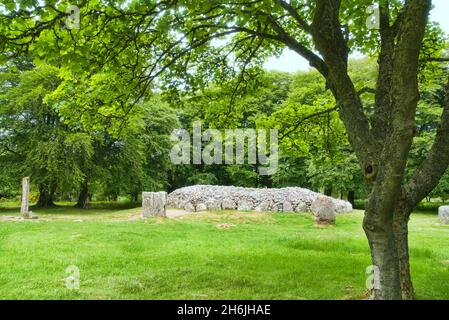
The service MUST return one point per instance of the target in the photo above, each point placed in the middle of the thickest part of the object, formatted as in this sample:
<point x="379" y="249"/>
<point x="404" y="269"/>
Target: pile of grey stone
<point x="205" y="197"/>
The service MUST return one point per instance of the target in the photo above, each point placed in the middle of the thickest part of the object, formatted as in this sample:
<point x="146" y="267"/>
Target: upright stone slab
<point x="443" y="214"/>
<point x="154" y="204"/>
<point x="24" y="209"/>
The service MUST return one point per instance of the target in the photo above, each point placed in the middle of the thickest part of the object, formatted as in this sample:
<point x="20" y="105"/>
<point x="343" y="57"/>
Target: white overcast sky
<point x="291" y="61"/>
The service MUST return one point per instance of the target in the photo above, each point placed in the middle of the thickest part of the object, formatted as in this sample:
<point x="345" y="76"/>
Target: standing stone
<point x="443" y="214"/>
<point x="154" y="204"/>
<point x="324" y="209"/>
<point x="24" y="209"/>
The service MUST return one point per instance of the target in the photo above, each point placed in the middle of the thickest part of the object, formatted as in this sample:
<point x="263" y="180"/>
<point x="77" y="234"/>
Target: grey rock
<point x="244" y="205"/>
<point x="213" y="205"/>
<point x="324" y="209"/>
<point x="154" y="204"/>
<point x="277" y="207"/>
<point x="288" y="207"/>
<point x="228" y="204"/>
<point x="189" y="207"/>
<point x="263" y="206"/>
<point x="301" y="207"/>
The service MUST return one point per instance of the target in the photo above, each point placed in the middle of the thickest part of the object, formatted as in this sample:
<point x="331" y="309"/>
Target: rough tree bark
<point x="134" y="197"/>
<point x="424" y="180"/>
<point x="83" y="197"/>
<point x="401" y="219"/>
<point x="382" y="150"/>
<point x="351" y="197"/>
<point x="46" y="195"/>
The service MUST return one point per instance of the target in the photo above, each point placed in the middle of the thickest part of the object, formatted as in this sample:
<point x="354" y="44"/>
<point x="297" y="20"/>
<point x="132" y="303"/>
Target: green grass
<point x="223" y="255"/>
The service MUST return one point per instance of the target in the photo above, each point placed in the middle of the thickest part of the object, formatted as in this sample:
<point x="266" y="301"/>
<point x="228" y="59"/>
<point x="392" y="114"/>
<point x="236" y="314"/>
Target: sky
<point x="291" y="61"/>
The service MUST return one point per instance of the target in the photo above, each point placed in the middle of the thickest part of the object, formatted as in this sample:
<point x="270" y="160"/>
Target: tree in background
<point x="64" y="152"/>
<point x="37" y="141"/>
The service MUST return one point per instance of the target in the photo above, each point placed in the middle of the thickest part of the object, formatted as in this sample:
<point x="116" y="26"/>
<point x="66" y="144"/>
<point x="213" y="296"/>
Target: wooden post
<point x="24" y="210"/>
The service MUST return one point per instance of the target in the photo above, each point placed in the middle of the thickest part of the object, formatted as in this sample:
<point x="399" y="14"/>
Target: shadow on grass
<point x="69" y="208"/>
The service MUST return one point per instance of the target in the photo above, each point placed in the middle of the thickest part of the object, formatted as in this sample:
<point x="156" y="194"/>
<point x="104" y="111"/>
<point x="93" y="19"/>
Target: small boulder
<point x="301" y="207"/>
<point x="324" y="209"/>
<point x="213" y="205"/>
<point x="189" y="207"/>
<point x="228" y="204"/>
<point x="244" y="205"/>
<point x="201" y="207"/>
<point x="263" y="206"/>
<point x="288" y="207"/>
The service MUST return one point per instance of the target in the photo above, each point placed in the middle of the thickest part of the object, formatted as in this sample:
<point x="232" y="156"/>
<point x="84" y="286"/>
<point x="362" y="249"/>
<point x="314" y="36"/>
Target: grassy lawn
<point x="222" y="255"/>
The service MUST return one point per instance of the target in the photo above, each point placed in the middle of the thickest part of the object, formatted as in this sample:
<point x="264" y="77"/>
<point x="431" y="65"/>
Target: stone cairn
<point x="204" y="197"/>
<point x="443" y="214"/>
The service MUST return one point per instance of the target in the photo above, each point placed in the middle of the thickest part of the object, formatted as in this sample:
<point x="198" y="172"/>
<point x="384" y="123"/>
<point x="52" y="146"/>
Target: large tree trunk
<point x="134" y="197"/>
<point x="113" y="197"/>
<point x="381" y="239"/>
<point x="83" y="198"/>
<point x="401" y="235"/>
<point x="390" y="252"/>
<point x="46" y="195"/>
<point x="351" y="197"/>
<point x="401" y="219"/>
<point x="382" y="144"/>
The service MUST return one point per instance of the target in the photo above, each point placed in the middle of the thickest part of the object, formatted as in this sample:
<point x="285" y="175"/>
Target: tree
<point x="37" y="141"/>
<point x="221" y="106"/>
<point x="310" y="129"/>
<point x="173" y="39"/>
<point x="130" y="145"/>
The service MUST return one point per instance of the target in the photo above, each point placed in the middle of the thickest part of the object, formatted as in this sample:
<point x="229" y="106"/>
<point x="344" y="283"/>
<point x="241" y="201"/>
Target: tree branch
<point x="293" y="13"/>
<point x="429" y="173"/>
<point x="434" y="60"/>
<point x="330" y="42"/>
<point x="302" y="120"/>
<point x="381" y="121"/>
